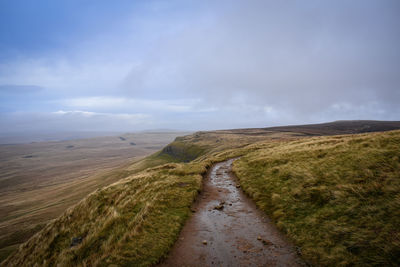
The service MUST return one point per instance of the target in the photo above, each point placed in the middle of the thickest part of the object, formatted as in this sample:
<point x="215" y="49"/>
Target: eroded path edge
<point x="227" y="229"/>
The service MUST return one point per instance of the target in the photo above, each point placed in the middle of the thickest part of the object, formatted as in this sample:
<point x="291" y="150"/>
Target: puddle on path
<point x="235" y="231"/>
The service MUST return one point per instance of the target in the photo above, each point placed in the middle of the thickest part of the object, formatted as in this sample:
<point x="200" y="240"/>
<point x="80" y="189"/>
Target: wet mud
<point x="227" y="229"/>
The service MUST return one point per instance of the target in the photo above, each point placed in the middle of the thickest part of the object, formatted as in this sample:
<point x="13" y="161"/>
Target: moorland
<point x="333" y="189"/>
<point x="40" y="180"/>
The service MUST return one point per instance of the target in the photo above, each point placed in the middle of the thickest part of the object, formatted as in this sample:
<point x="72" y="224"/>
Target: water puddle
<point x="226" y="229"/>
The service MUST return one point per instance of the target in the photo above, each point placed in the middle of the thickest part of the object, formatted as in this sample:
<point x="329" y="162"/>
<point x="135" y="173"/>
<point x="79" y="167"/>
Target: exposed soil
<point x="226" y="229"/>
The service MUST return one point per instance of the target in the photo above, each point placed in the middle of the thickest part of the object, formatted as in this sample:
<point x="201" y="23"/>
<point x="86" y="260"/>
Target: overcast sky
<point x="132" y="65"/>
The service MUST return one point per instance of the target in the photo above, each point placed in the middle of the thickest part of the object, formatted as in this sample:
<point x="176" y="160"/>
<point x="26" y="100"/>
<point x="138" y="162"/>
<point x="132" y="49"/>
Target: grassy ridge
<point x="338" y="198"/>
<point x="131" y="222"/>
<point x="39" y="181"/>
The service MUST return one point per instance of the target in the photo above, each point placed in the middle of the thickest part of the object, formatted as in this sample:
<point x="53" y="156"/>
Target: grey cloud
<point x="73" y="121"/>
<point x="299" y="56"/>
<point x="226" y="64"/>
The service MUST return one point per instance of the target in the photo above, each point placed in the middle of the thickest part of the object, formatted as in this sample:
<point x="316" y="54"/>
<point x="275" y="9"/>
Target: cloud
<point x="297" y="56"/>
<point x="137" y="104"/>
<point x="87" y="114"/>
<point x="67" y="76"/>
<point x="224" y="64"/>
<point x="74" y="120"/>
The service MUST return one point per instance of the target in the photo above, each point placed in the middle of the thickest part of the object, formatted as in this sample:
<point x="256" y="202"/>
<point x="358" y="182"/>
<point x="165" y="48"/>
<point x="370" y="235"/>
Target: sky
<point x="99" y="65"/>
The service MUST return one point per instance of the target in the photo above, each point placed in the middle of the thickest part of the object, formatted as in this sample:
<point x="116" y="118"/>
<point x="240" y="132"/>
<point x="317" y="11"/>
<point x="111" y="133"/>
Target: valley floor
<point x="335" y="197"/>
<point x="39" y="181"/>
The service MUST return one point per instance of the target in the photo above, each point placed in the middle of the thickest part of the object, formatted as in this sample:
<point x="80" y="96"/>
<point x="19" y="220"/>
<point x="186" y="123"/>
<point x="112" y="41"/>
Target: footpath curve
<point x="227" y="229"/>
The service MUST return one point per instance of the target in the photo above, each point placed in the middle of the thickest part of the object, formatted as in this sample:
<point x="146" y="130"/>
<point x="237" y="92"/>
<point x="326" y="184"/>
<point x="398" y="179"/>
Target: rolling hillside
<point x="337" y="198"/>
<point x="334" y="196"/>
<point x="39" y="181"/>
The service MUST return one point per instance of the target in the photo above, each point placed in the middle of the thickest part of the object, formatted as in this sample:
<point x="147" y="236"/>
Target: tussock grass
<point x="131" y="222"/>
<point x="39" y="181"/>
<point x="337" y="198"/>
<point x="180" y="151"/>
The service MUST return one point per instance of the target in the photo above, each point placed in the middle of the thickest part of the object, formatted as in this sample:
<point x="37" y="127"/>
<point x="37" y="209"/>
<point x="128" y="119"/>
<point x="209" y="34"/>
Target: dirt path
<point x="228" y="230"/>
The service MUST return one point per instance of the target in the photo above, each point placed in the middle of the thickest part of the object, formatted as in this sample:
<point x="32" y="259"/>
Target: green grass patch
<point x="180" y="151"/>
<point x="132" y="222"/>
<point x="135" y="221"/>
<point x="338" y="198"/>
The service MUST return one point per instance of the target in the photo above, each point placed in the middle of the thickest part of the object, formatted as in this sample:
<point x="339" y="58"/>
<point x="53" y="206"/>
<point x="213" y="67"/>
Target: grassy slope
<point x="136" y="220"/>
<point x="39" y="181"/>
<point x="338" y="198"/>
<point x="133" y="221"/>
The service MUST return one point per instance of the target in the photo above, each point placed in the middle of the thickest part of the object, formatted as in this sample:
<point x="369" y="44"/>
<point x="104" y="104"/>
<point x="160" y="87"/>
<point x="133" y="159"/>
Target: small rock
<point x="219" y="207"/>
<point x="204" y="242"/>
<point x="266" y="242"/>
<point x="230" y="204"/>
<point x="193" y="210"/>
<point x="237" y="186"/>
<point x="258" y="237"/>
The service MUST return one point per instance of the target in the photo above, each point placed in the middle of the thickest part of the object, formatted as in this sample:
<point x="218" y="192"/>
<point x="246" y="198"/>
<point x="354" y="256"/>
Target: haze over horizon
<point x="196" y="65"/>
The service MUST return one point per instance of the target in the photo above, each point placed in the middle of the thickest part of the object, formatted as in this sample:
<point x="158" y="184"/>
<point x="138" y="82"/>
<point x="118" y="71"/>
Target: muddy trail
<point x="227" y="229"/>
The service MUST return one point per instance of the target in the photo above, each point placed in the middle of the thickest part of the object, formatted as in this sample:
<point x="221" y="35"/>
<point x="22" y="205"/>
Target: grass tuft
<point x="335" y="197"/>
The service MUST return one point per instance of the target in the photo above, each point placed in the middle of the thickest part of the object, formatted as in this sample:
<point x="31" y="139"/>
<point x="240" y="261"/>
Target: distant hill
<point x="39" y="181"/>
<point x="340" y="127"/>
<point x="336" y="197"/>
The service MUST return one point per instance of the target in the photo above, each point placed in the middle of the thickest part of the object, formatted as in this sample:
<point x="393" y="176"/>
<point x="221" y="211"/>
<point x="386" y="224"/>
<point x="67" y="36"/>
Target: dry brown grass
<point x="39" y="181"/>
<point x="338" y="198"/>
<point x="131" y="222"/>
<point x="136" y="220"/>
